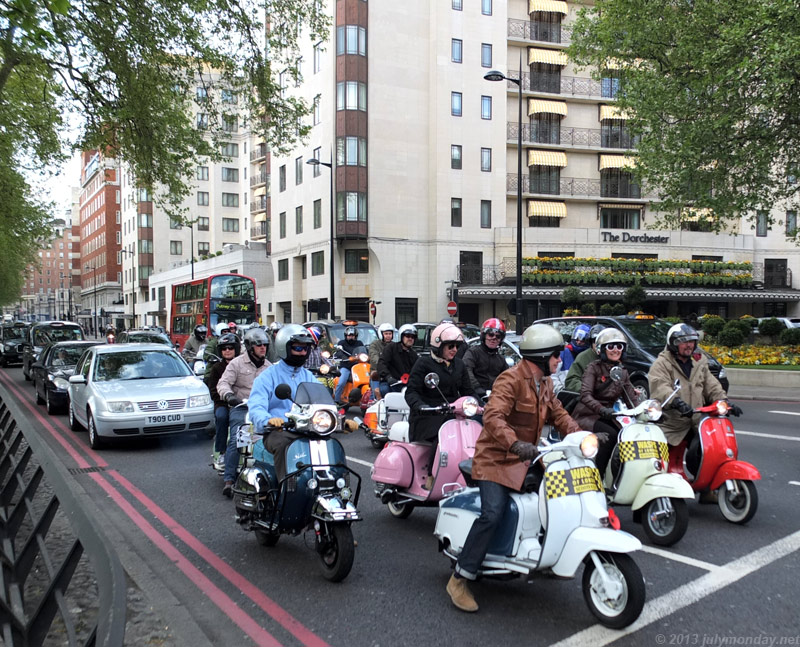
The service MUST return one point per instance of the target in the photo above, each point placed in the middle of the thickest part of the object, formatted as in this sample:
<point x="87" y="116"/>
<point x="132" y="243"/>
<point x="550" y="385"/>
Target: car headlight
<point x="652" y="410"/>
<point x="323" y="421"/>
<point x="60" y="383"/>
<point x="589" y="446"/>
<point x="470" y="407"/>
<point x="722" y="373"/>
<point x="199" y="400"/>
<point x="121" y="406"/>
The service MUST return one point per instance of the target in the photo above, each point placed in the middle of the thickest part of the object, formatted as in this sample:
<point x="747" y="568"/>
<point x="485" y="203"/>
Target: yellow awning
<point x="611" y="205"/>
<point x="536" y="106"/>
<point x="546" y="209"/>
<point x="547" y="158"/>
<point x="555" y="6"/>
<point x="617" y="161"/>
<point x="549" y="56"/>
<point x="613" y="112"/>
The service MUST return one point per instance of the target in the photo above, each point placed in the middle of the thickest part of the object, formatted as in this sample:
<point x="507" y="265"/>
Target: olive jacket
<point x="516" y="412"/>
<point x="598" y="390"/>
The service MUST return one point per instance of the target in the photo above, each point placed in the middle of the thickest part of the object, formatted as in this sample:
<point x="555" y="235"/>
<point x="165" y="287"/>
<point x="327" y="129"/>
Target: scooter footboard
<point x="662" y="485"/>
<point x="584" y="540"/>
<point x="735" y="470"/>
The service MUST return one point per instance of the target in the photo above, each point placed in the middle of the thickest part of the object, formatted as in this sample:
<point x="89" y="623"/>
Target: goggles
<point x="615" y="346"/>
<point x="299" y="348"/>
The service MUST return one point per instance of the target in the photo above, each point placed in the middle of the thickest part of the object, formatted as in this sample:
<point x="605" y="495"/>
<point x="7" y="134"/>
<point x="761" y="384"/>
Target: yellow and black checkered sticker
<point x="631" y="450"/>
<point x="577" y="480"/>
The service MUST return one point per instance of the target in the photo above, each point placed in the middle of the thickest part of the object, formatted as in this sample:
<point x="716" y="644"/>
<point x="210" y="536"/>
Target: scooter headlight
<point x="324" y="369"/>
<point x="340" y="483"/>
<point x="363" y="357"/>
<point x="652" y="410"/>
<point x="470" y="407"/>
<point x="323" y="422"/>
<point x="589" y="446"/>
<point x="722" y="407"/>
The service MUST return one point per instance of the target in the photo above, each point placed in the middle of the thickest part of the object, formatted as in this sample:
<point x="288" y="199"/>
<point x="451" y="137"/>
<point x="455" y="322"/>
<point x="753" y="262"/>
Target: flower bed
<point x="750" y="355"/>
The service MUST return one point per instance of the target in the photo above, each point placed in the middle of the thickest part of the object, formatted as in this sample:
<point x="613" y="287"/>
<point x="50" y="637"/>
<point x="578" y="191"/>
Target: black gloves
<point x="607" y="413"/>
<point x="736" y="410"/>
<point x="525" y="451"/>
<point x="232" y="400"/>
<point x="683" y="407"/>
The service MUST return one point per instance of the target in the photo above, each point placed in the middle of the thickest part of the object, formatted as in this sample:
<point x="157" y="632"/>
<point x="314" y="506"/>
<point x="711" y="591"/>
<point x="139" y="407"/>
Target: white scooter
<point x="555" y="531"/>
<point x="637" y="473"/>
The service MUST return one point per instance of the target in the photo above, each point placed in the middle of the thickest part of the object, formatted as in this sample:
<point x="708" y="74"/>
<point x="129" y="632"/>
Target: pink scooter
<point x="400" y="470"/>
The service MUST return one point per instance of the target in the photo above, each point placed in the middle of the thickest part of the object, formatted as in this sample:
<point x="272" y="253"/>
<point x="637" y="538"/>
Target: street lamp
<point x="495" y="75"/>
<point x="133" y="280"/>
<point x="88" y="267"/>
<point x="315" y="162"/>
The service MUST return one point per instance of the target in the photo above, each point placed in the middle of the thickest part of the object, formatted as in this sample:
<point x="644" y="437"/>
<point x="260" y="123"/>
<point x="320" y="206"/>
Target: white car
<point x="123" y="390"/>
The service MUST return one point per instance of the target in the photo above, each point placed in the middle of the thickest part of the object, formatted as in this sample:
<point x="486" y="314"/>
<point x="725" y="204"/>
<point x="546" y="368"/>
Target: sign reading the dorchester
<point x="625" y="237"/>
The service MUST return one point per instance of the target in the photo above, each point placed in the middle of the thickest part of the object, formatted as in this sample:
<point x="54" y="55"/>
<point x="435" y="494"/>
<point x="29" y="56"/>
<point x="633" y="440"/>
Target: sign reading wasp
<point x="637" y="449"/>
<point x="577" y="480"/>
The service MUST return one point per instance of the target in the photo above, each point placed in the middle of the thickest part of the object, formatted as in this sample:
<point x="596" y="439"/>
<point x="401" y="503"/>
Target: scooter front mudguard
<point x="584" y="540"/>
<point x="667" y="485"/>
<point x="735" y="471"/>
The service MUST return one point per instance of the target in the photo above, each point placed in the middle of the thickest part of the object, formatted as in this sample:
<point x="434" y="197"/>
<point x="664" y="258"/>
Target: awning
<point x="613" y="112"/>
<point x="617" y="161"/>
<point x="549" y="56"/>
<point x="536" y="106"/>
<point x="611" y="205"/>
<point x="547" y="158"/>
<point x="546" y="209"/>
<point x="554" y="6"/>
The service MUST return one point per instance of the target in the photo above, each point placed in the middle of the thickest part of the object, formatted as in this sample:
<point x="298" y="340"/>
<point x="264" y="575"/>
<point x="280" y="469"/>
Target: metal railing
<point x="772" y="278"/>
<point x="558" y="84"/>
<point x="48" y="542"/>
<point x="539" y="32"/>
<point x="578" y="137"/>
<point x="579" y="188"/>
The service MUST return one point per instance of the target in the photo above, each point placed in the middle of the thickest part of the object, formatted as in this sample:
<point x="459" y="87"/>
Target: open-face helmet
<point x="680" y="333"/>
<point x="539" y="343"/>
<point x="493" y="325"/>
<point x="609" y="336"/>
<point x="255" y="337"/>
<point x="444" y="334"/>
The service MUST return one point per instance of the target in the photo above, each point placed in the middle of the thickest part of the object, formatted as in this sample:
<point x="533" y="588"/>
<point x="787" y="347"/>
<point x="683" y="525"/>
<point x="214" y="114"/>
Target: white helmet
<point x="539" y="343"/>
<point x="609" y="336"/>
<point x="220" y="329"/>
<point x="386" y="327"/>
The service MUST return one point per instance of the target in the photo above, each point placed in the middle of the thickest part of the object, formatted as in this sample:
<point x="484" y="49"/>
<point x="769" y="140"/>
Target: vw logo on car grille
<point x="162" y="404"/>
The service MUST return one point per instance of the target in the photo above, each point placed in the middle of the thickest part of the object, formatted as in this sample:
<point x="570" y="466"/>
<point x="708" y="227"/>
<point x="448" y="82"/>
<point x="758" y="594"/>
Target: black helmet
<point x="539" y="343"/>
<point x="680" y="333"/>
<point x="594" y="331"/>
<point x="229" y="339"/>
<point x="200" y="332"/>
<point x="255" y="337"/>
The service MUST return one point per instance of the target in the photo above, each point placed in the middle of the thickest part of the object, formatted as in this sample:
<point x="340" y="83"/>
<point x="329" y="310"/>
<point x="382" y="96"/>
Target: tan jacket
<point x="516" y="412"/>
<point x="700" y="389"/>
<point x="239" y="376"/>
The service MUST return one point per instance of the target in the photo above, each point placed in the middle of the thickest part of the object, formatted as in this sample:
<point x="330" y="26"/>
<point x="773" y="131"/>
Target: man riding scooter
<point x="522" y="398"/>
<point x="397" y="360"/>
<point x="483" y="361"/>
<point x="347" y="348"/>
<point x="192" y="345"/>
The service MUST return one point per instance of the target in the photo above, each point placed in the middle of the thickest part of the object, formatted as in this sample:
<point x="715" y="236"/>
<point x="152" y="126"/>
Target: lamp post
<point x="495" y="75"/>
<point x="133" y="280"/>
<point x="315" y="162"/>
<point x="88" y="267"/>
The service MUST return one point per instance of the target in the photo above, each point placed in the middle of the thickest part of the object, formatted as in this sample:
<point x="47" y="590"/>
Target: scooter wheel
<point x="665" y="530"/>
<point x="400" y="510"/>
<point x="338" y="553"/>
<point x="265" y="538"/>
<point x="377" y="442"/>
<point x="620" y="610"/>
<point x="739" y="507"/>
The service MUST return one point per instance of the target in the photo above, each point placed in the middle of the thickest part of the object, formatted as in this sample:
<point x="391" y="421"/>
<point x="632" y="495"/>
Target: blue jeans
<point x="344" y="378"/>
<point x="221" y="419"/>
<point x="236" y="418"/>
<point x="494" y="498"/>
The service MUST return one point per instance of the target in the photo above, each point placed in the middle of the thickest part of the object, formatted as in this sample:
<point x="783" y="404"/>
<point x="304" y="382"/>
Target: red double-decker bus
<point x="209" y="301"/>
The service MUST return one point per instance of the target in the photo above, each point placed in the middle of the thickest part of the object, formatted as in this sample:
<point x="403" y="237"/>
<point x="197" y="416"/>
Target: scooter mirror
<point x="616" y="373"/>
<point x="677" y="385"/>
<point x="431" y="380"/>
<point x="283" y="392"/>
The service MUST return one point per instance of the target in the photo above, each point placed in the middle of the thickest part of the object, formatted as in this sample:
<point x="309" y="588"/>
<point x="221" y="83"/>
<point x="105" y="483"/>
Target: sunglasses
<point x="258" y="345"/>
<point x="615" y="346"/>
<point x="495" y="335"/>
<point x="451" y="344"/>
<point x="299" y="348"/>
<point x="233" y="347"/>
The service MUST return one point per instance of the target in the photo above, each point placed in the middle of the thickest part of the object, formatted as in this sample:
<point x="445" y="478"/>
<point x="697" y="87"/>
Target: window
<point x="317" y="170"/>
<point x="351" y="151"/>
<point x="303" y="267"/>
<point x="458" y="5"/>
<point x="455" y="212"/>
<point x="317" y="57"/>
<point x="229" y="149"/>
<point x="545" y="179"/>
<point x="202" y="172"/>
<point x="486" y="107"/>
<point x="317" y="112"/>
<point x="146" y="246"/>
<point x="175" y="223"/>
<point x="351" y="95"/>
<point x="356" y="261"/>
<point x="230" y="123"/>
<point x="486" y="7"/>
<point x="201" y="94"/>
<point x="202" y="198"/>
<point x="351" y="206"/>
<point x="405" y="311"/>
<point x="545" y="78"/>
<point x="175" y="247"/>
<point x="617" y="183"/>
<point x="146" y="220"/>
<point x="283" y="269"/>
<point x="455" y="104"/>
<point x="609" y="84"/>
<point x="617" y="218"/>
<point x="486" y="159"/>
<point x="762" y="223"/>
<point x="202" y="223"/>
<point x="546" y="26"/>
<point x="455" y="156"/>
<point x="486" y="214"/>
<point x="230" y="174"/>
<point x="230" y="224"/>
<point x="119" y="239"/>
<point x="298" y="170"/>
<point x="202" y="121"/>
<point x="456" y="47"/>
<point x="486" y="55"/>
<point x="545" y="128"/>
<point x="282" y="178"/>
<point x="614" y="134"/>
<point x="351" y="39"/>
<point x="228" y="96"/>
<point x="282" y="224"/>
<point x="298" y="220"/>
<point x="230" y="200"/>
<point x="203" y="249"/>
<point x="791" y="223"/>
<point x="317" y="214"/>
<point x="544" y="221"/>
<point x="317" y="263"/>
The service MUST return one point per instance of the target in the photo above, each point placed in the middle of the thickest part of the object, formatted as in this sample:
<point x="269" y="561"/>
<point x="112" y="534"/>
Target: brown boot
<point x="428" y="485"/>
<point x="460" y="594"/>
<point x="709" y="496"/>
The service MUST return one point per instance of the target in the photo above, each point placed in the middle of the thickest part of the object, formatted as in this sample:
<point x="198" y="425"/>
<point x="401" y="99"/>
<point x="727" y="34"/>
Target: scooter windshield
<point x="312" y="393"/>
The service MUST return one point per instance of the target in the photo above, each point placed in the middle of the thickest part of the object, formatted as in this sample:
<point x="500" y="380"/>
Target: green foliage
<point x="717" y="124"/>
<point x="634" y="297"/>
<point x="712" y="325"/>
<point x="618" y="309"/>
<point x="731" y="335"/>
<point x="588" y="309"/>
<point x="606" y="310"/>
<point x="572" y="296"/>
<point x="742" y="325"/>
<point x="790" y="337"/>
<point x="771" y="327"/>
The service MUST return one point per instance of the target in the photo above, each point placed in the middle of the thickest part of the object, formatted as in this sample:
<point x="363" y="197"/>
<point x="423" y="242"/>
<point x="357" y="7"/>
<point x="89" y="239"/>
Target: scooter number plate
<point x="164" y="417"/>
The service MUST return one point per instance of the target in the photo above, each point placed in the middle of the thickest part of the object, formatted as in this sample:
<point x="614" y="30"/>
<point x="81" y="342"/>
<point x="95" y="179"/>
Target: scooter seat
<point x="399" y="432"/>
<point x="465" y="467"/>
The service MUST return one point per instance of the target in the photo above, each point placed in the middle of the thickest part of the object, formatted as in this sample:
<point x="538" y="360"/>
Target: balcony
<point x="259" y="204"/>
<point x="258" y="153"/>
<point x="259" y="179"/>
<point x="535" y="32"/>
<point x="259" y="230"/>
<point x="580" y="188"/>
<point x="594" y="138"/>
<point x="772" y="276"/>
<point x="560" y="85"/>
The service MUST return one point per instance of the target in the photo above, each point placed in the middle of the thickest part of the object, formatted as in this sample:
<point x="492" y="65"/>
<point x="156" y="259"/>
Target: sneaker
<point x="460" y="594"/>
<point x="228" y="489"/>
<point x="428" y="483"/>
<point x="219" y="463"/>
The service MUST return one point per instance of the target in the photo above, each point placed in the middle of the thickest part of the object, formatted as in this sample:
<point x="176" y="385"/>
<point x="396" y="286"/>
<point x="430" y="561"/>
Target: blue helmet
<point x="580" y="335"/>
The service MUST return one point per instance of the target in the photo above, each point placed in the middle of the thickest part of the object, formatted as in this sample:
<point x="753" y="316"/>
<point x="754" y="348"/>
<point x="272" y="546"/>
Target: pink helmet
<point x="444" y="333"/>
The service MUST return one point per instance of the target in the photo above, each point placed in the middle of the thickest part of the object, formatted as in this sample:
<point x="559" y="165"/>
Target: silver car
<point x="121" y="390"/>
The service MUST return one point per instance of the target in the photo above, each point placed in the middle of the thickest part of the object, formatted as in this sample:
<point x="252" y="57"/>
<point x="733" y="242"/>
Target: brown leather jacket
<point x="516" y="412"/>
<point x="598" y="390"/>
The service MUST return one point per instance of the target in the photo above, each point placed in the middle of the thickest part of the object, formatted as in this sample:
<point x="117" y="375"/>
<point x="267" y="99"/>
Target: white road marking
<point x="760" y="435"/>
<point x="350" y="459"/>
<point x="690" y="561"/>
<point x="689" y="593"/>
<point x="794" y="482"/>
<point x="787" y="413"/>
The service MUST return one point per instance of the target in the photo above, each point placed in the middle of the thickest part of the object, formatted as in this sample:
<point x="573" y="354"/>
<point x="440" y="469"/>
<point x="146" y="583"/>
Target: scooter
<point x="555" y="531"/>
<point x="637" y="473"/>
<point x="400" y="470"/>
<point x="719" y="466"/>
<point x="316" y="497"/>
<point x="359" y="374"/>
<point x="381" y="414"/>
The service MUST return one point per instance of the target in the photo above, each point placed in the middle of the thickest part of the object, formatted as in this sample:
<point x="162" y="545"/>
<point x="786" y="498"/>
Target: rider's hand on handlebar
<point x="735" y="410"/>
<point x="275" y="422"/>
<point x="608" y="413"/>
<point x="683" y="408"/>
<point x="525" y="451"/>
<point x="232" y="400"/>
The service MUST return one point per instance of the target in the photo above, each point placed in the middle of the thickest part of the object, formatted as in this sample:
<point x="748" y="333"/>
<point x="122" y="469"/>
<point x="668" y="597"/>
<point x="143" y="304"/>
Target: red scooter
<point x="719" y="467"/>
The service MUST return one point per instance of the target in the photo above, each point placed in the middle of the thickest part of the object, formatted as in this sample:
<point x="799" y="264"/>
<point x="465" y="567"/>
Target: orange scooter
<point x="359" y="374"/>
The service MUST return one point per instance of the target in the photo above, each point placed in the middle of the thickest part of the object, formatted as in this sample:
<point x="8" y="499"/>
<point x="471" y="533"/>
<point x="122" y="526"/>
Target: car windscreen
<point x="52" y="334"/>
<point x="148" y="338"/>
<point x="65" y="356"/>
<point x="139" y="365"/>
<point x="365" y="334"/>
<point x="650" y="333"/>
<point x="10" y="333"/>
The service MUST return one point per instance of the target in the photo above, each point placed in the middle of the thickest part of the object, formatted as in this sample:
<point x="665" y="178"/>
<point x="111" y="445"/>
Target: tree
<point x="572" y="297"/>
<point x="128" y="78"/>
<point x="712" y="89"/>
<point x="634" y="297"/>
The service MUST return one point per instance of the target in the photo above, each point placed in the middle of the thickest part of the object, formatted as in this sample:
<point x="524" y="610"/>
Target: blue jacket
<point x="263" y="404"/>
<point x="568" y="355"/>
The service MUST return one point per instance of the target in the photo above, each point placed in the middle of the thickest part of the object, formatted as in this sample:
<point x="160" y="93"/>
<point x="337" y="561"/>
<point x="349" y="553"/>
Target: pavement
<point x="778" y="393"/>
